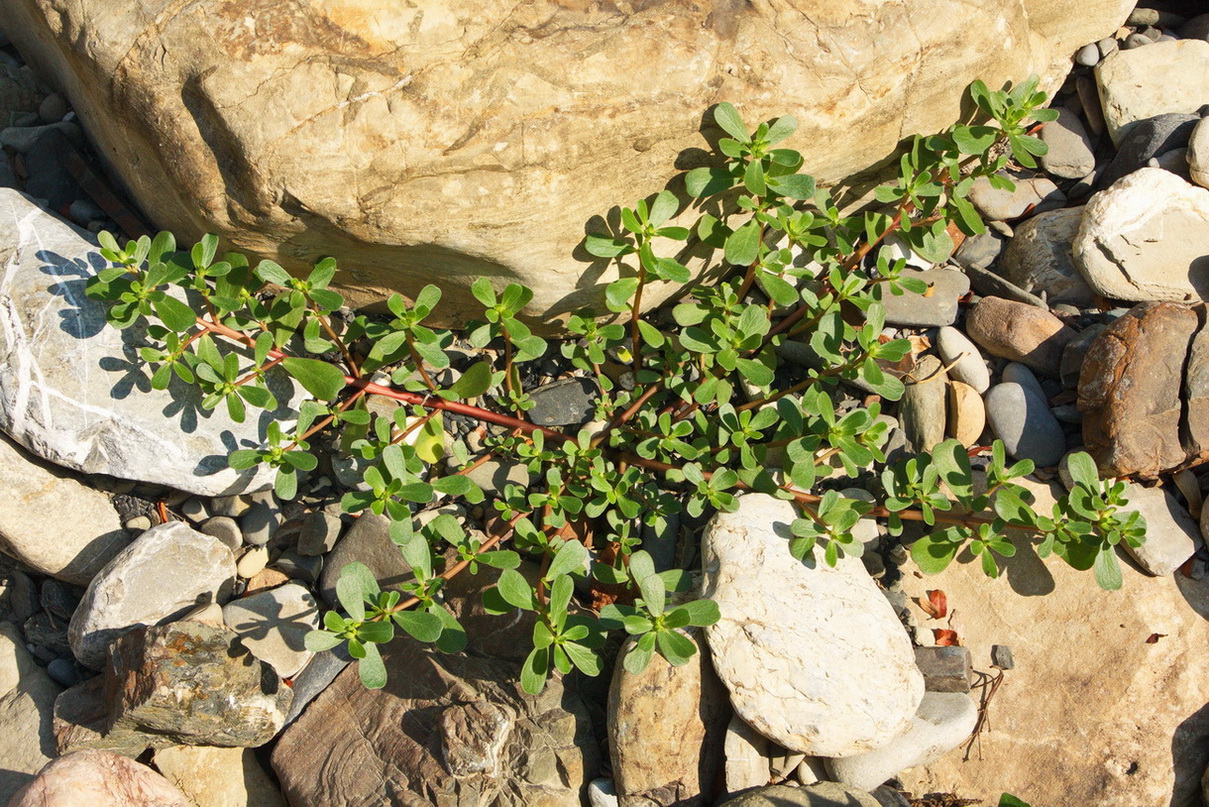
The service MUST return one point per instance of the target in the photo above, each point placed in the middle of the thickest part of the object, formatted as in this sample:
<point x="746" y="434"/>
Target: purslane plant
<point x="702" y="422"/>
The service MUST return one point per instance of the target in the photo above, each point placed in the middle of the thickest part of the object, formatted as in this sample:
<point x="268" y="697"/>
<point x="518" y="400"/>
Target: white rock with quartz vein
<point x="814" y="657"/>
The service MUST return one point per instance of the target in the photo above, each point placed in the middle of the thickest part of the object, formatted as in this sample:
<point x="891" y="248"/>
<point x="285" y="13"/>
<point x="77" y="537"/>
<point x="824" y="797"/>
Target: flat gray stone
<point x="963" y="359"/>
<point x="52" y="522"/>
<point x="938" y="306"/>
<point x="1038" y="259"/>
<point x="1022" y="420"/>
<point x="320" y="532"/>
<point x="922" y="408"/>
<point x="569" y="402"/>
<point x="70" y="390"/>
<point x="162" y="575"/>
<point x="1172" y="535"/>
<point x="273" y="625"/>
<point x="1035" y="194"/>
<point x="1070" y="151"/>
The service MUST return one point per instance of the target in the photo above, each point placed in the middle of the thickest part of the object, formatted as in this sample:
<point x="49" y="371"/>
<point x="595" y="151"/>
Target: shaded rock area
<point x="446" y="730"/>
<point x="27" y="697"/>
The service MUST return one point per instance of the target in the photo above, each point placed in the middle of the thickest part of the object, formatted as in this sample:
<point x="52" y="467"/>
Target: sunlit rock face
<point x="431" y="140"/>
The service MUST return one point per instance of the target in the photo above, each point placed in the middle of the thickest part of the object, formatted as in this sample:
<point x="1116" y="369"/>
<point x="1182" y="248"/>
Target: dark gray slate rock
<point x="945" y="669"/>
<point x="194" y="683"/>
<point x="453" y="730"/>
<point x="1070" y="151"/>
<point x="570" y="402"/>
<point x="1146" y="139"/>
<point x="69" y="388"/>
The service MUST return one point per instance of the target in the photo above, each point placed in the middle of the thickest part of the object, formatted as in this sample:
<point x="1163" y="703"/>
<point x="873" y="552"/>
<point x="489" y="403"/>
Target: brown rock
<point x="194" y="684"/>
<point x="446" y="730"/>
<point x="98" y="779"/>
<point x="433" y="141"/>
<point x="266" y="579"/>
<point x="1019" y="332"/>
<point x="1129" y="390"/>
<point x="667" y="727"/>
<point x="1081" y="660"/>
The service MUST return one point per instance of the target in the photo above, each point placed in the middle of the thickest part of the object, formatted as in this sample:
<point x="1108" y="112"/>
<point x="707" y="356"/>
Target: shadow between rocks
<point x="1189" y="755"/>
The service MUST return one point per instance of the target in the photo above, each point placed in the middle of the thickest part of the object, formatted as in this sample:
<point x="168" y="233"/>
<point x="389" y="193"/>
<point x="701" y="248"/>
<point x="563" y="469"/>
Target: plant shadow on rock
<point x="83" y="319"/>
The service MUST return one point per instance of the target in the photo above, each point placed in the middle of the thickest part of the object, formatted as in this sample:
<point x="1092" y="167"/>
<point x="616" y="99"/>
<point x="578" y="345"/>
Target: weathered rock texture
<point x="81" y="537"/>
<point x="814" y="656"/>
<point x="667" y="726"/>
<point x="72" y="390"/>
<point x="219" y="777"/>
<point x="436" y="140"/>
<point x="1087" y="648"/>
<point x="1146" y="238"/>
<point x="192" y="684"/>
<point x="1130" y="392"/>
<point x="98" y="779"/>
<point x="447" y="730"/>
<point x="167" y="571"/>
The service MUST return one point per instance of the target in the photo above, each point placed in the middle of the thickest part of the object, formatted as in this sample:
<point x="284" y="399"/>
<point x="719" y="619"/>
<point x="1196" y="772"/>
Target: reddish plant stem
<point x="457" y="568"/>
<point x="259" y="371"/>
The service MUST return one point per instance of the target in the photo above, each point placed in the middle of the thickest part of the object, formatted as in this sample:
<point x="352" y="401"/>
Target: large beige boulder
<point x="1106" y="701"/>
<point x="430" y="139"/>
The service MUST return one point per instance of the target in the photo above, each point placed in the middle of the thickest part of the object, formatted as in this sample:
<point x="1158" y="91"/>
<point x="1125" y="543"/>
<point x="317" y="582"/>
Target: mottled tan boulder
<point x="1129" y="390"/>
<point x="439" y="140"/>
<point x="219" y="777"/>
<point x="667" y="726"/>
<point x="27" y="697"/>
<point x="1091" y="714"/>
<point x="98" y="779"/>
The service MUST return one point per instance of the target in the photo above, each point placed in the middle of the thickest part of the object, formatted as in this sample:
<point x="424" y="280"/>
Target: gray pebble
<point x="1088" y="55"/>
<point x="20" y="596"/>
<point x="53" y="108"/>
<point x="194" y="509"/>
<point x="1001" y="656"/>
<point x="306" y="568"/>
<point x="564" y="403"/>
<point x="1107" y="47"/>
<point x="1022" y="420"/>
<point x="1134" y="41"/>
<point x="937" y="307"/>
<point x="320" y="532"/>
<point x="224" y="529"/>
<point x="63" y="671"/>
<point x="138" y="524"/>
<point x="229" y="506"/>
<point x="259" y="523"/>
